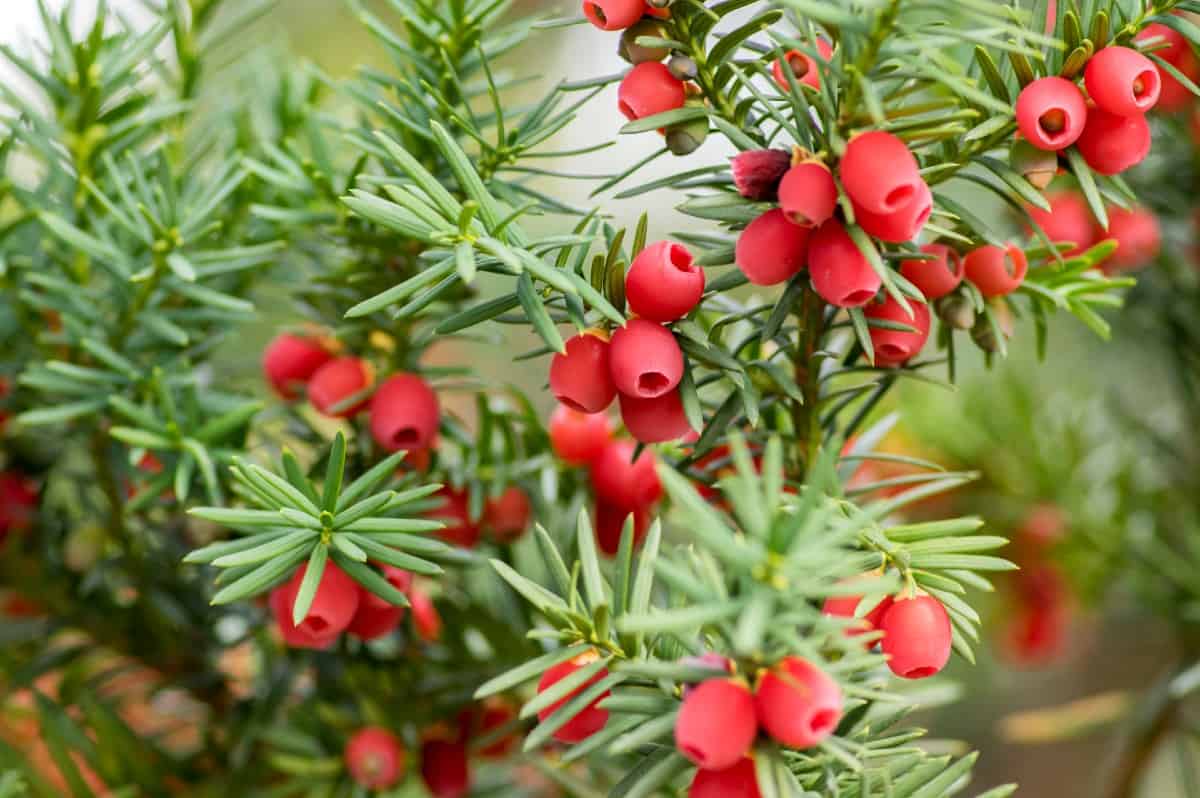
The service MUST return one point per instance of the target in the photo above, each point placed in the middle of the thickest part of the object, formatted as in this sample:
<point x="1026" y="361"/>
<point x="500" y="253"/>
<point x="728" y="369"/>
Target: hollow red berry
<point x="577" y="438"/>
<point x="455" y="513"/>
<point x="375" y="758"/>
<point x="1172" y="47"/>
<point x="377" y="617"/>
<point x="808" y="194"/>
<point x="895" y="347"/>
<point x="445" y="768"/>
<point x="1068" y="219"/>
<point x="648" y="89"/>
<point x="1051" y="113"/>
<point x="580" y="377"/>
<point x="613" y="14"/>
<point x="1111" y="144"/>
<point x="757" y="173"/>
<point x="771" y="249"/>
<point x="738" y="781"/>
<point x="902" y="224"/>
<point x="879" y="172"/>
<point x="591" y="718"/>
<point x="664" y="282"/>
<point x="426" y="618"/>
<point x="507" y="516"/>
<point x="840" y="272"/>
<point x="645" y="359"/>
<point x="610" y="525"/>
<point x="916" y="636"/>
<point x="802" y="65"/>
<point x="798" y="704"/>
<point x="619" y="480"/>
<point x="1138" y="238"/>
<point x="336" y="382"/>
<point x="994" y="270"/>
<point x="331" y="612"/>
<point x="290" y="360"/>
<point x="935" y="277"/>
<point x="404" y="413"/>
<point x="655" y="420"/>
<point x="716" y="724"/>
<point x="1122" y="81"/>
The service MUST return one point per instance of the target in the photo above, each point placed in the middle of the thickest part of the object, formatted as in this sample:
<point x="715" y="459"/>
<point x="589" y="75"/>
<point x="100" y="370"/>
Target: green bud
<point x="686" y="137"/>
<point x="1038" y="166"/>
<point x="683" y="67"/>
<point x="956" y="311"/>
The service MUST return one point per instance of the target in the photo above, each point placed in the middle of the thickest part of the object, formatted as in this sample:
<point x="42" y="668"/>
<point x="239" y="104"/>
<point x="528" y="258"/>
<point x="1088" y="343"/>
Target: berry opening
<point x="597" y="12"/>
<point x="1053" y="122"/>
<point x="681" y="259"/>
<point x="652" y="383"/>
<point x="898" y="196"/>
<point x="823" y="721"/>
<point x="626" y="109"/>
<point x="855" y="298"/>
<point x="1145" y="84"/>
<point x="919" y="673"/>
<point x="315" y="624"/>
<point x="571" y="403"/>
<point x="798" y="64"/>
<point x="406" y="436"/>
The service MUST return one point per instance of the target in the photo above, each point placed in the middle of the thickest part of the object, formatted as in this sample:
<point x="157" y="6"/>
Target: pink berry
<point x="655" y="420"/>
<point x="337" y="381"/>
<point x="1051" y="113"/>
<point x="1122" y="81"/>
<point x="375" y="758"/>
<point x="771" y="249"/>
<point x="902" y="224"/>
<point x="1067" y="220"/>
<point x="916" y="637"/>
<point x="404" y="413"/>
<point x="645" y="359"/>
<point x="1111" y="144"/>
<point x="580" y="378"/>
<point x="798" y="704"/>
<point x="894" y="347"/>
<point x="613" y="14"/>
<point x="649" y="89"/>
<point x="808" y="194"/>
<point x="290" y="360"/>
<point x="610" y="525"/>
<point x="591" y="718"/>
<point x="739" y="781"/>
<point x="459" y="529"/>
<point x="333" y="608"/>
<point x="621" y="481"/>
<point x="879" y="172"/>
<point x="840" y="272"/>
<point x="376" y="617"/>
<point x="664" y="282"/>
<point x="577" y="438"/>
<point x="936" y="277"/>
<point x="445" y="768"/>
<point x="994" y="270"/>
<point x="802" y="66"/>
<point x="507" y="515"/>
<point x="1138" y="238"/>
<point x="756" y="173"/>
<point x="716" y="724"/>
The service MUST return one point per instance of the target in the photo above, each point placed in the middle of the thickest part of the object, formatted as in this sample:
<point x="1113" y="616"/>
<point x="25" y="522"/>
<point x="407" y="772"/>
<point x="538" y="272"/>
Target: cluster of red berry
<point x="916" y="632"/>
<point x="1136" y="231"/>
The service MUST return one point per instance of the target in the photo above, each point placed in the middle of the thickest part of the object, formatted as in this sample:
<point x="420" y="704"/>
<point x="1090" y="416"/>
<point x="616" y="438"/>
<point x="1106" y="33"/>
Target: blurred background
<point x="1054" y="702"/>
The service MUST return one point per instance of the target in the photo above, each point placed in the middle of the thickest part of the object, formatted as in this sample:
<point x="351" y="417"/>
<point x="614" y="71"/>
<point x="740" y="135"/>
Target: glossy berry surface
<point x="609" y="525"/>
<point x="935" y="277"/>
<point x="626" y="484"/>
<point x="798" y="704"/>
<point x="808" y="194"/>
<point x="645" y="359"/>
<point x="290" y="360"/>
<point x="377" y="617"/>
<point x="648" y="89"/>
<point x="840" y="272"/>
<point x="577" y="438"/>
<point x="374" y="758"/>
<point x="336" y="382"/>
<point x="879" y="172"/>
<point x="901" y="225"/>
<point x="1051" y="113"/>
<point x="1068" y="219"/>
<point x="331" y="612"/>
<point x="1122" y="81"/>
<point x="895" y="347"/>
<point x="404" y="413"/>
<point x="771" y="249"/>
<point x="916" y="637"/>
<point x="1111" y="144"/>
<point x="591" y="718"/>
<point x="664" y="282"/>
<point x="716" y="724"/>
<point x="581" y="377"/>
<point x="738" y="781"/>
<point x="994" y="270"/>
<point x="655" y="420"/>
<point x="802" y="66"/>
<point x="613" y="14"/>
<point x="459" y="529"/>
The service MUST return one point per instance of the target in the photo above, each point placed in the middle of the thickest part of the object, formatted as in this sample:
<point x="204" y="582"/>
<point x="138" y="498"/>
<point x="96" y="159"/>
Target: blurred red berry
<point x="497" y="713"/>
<point x="994" y="270"/>
<point x="507" y="515"/>
<point x="1111" y="144"/>
<point x="655" y="420"/>
<point x="844" y="607"/>
<point x="18" y="503"/>
<point x="803" y="66"/>
<point x="591" y="718"/>
<point x="710" y="660"/>
<point x="336" y="382"/>
<point x="739" y="781"/>
<point x="613" y="14"/>
<point x="916" y="636"/>
<point x="879" y="173"/>
<point x="894" y="347"/>
<point x="426" y="618"/>
<point x="771" y="249"/>
<point x="1051" y="113"/>
<point x="404" y="413"/>
<point x="1122" y="81"/>
<point x="840" y="272"/>
<point x="445" y="768"/>
<point x="610" y="525"/>
<point x="577" y="438"/>
<point x="375" y="758"/>
<point x="619" y="480"/>
<point x="580" y="378"/>
<point x="716" y="724"/>
<point x="798" y="704"/>
<point x="648" y="89"/>
<point x="757" y="173"/>
<point x="290" y="360"/>
<point x="455" y="513"/>
<point x="808" y="194"/>
<point x="333" y="608"/>
<point x="664" y="282"/>
<point x="1172" y="47"/>
<point x="904" y="223"/>
<point x="645" y="359"/>
<point x="1068" y="219"/>
<point x="1138" y="238"/>
<point x="938" y="276"/>
<point x="377" y="617"/>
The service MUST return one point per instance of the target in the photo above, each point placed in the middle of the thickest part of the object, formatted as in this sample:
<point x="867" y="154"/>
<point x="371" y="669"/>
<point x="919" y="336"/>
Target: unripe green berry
<point x="629" y="49"/>
<point x="956" y="311"/>
<point x="1038" y="166"/>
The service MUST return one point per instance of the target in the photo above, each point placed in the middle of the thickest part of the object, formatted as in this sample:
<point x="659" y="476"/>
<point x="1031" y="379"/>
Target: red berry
<point x="1067" y="220"/>
<point x="376" y="617"/>
<point x="1138" y="238"/>
<point x="1122" y="81"/>
<point x="802" y="65"/>
<point x="840" y="272"/>
<point x="444" y="768"/>
<point x="879" y="172"/>
<point x="645" y="359"/>
<point x="798" y="704"/>
<point x="578" y="437"/>
<point x="771" y="249"/>
<point x="756" y="173"/>
<point x="333" y="608"/>
<point x="649" y="89"/>
<point x="507" y="516"/>
<point x="426" y="618"/>
<point x="844" y="607"/>
<point x="894" y="347"/>
<point x="580" y="377"/>
<point x="610" y="524"/>
<point x="808" y="194"/>
<point x="902" y="224"/>
<point x="337" y="381"/>
<point x="1172" y="47"/>
<point x="664" y="282"/>
<point x="496" y="714"/>
<point x="716" y="724"/>
<point x="916" y="637"/>
<point x="613" y="14"/>
<point x="455" y="513"/>
<point x="619" y="480"/>
<point x="290" y="360"/>
<point x="994" y="270"/>
<point x="1036" y="635"/>
<point x="739" y="781"/>
<point x="18" y="503"/>
<point x="1051" y="113"/>
<point x="655" y="420"/>
<point x="591" y="718"/>
<point x="375" y="758"/>
<point x="936" y="277"/>
<point x="1111" y="144"/>
<point x="404" y="413"/>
